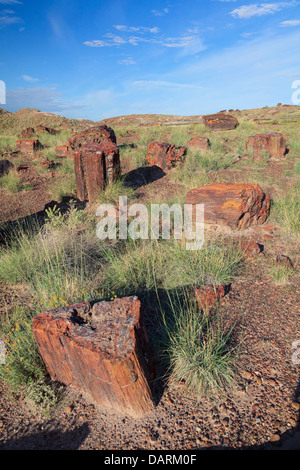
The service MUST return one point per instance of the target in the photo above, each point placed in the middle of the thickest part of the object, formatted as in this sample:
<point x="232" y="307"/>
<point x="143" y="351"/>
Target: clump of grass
<point x="281" y="274"/>
<point x="217" y="263"/>
<point x="113" y="191"/>
<point x="11" y="182"/>
<point x="65" y="187"/>
<point x="55" y="261"/>
<point x="287" y="211"/>
<point x="200" y="352"/>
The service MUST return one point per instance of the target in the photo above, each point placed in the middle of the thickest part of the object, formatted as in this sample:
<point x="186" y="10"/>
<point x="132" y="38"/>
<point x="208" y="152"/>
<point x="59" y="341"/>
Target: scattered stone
<point x="275" y="438"/>
<point x="282" y="260"/>
<point x="63" y="151"/>
<point x="220" y="121"/>
<point x="234" y="204"/>
<point x="209" y="296"/>
<point x="28" y="146"/>
<point x="165" y="155"/>
<point x="201" y="143"/>
<point x="28" y="133"/>
<point x="96" y="166"/>
<point x="271" y="142"/>
<point x="251" y="249"/>
<point x="102" y="350"/>
<point x="295" y="405"/>
<point x="5" y="167"/>
<point x="40" y="128"/>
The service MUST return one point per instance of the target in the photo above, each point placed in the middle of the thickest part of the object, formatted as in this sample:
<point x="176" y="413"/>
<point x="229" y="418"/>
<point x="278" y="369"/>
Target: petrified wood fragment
<point x="96" y="166"/>
<point x="220" y="121"/>
<point x="165" y="155"/>
<point x="102" y="350"/>
<point x="236" y="205"/>
<point x="272" y="143"/>
<point x="28" y="146"/>
<point x="201" y="143"/>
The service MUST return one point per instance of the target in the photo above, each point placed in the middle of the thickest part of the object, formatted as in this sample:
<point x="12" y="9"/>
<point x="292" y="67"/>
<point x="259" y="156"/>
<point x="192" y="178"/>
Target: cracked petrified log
<point x="165" y="155"/>
<point x="234" y="204"/>
<point x="220" y="121"/>
<point x="102" y="350"/>
<point x="272" y="143"/>
<point x="5" y="167"/>
<point x="96" y="166"/>
<point x="28" y="133"/>
<point x="199" y="143"/>
<point x="96" y="134"/>
<point x="28" y="146"/>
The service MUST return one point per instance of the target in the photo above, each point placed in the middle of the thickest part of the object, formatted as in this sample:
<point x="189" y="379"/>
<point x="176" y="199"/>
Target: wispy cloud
<point x="127" y="61"/>
<point x="249" y="11"/>
<point x="289" y="23"/>
<point x="162" y="12"/>
<point x="10" y="2"/>
<point x="136" y="29"/>
<point x="27" y="78"/>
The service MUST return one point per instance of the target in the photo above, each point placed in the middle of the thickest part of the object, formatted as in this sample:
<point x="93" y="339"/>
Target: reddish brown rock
<point x="28" y="146"/>
<point x="272" y="143"/>
<point x="251" y="249"/>
<point x="96" y="166"/>
<point x="208" y="297"/>
<point x="201" y="143"/>
<point x="220" y="122"/>
<point x="102" y="350"/>
<point x="63" y="151"/>
<point x="93" y="135"/>
<point x="28" y="133"/>
<point x="46" y="129"/>
<point x="165" y="155"/>
<point x="236" y="205"/>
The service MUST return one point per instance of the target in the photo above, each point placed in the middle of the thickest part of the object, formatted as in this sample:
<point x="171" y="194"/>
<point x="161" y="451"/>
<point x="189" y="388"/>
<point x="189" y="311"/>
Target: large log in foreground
<point x="102" y="350"/>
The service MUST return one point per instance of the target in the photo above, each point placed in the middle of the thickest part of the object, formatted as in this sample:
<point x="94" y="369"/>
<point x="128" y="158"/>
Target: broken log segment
<point x="102" y="350"/>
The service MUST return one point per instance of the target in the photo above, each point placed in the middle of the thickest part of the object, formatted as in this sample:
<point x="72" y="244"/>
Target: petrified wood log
<point x="102" y="350"/>
<point x="165" y="155"/>
<point x="236" y="205"/>
<point x="28" y="133"/>
<point x="201" y="143"/>
<point x="220" y="121"/>
<point x="96" y="166"/>
<point x="28" y="146"/>
<point x="271" y="142"/>
<point x="96" y="134"/>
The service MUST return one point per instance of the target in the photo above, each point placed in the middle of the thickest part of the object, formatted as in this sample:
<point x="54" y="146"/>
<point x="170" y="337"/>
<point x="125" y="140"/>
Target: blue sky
<point x="96" y="59"/>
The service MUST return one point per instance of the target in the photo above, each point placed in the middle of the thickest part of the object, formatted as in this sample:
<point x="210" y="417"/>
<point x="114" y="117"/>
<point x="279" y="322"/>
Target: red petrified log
<point x="102" y="350"/>
<point x="209" y="296"/>
<point x="62" y="151"/>
<point x="220" y="121"/>
<point x="96" y="134"/>
<point x="237" y="205"/>
<point x="165" y="155"/>
<point x="28" y="133"/>
<point x="96" y="166"/>
<point x="251" y="249"/>
<point x="201" y="143"/>
<point x="271" y="142"/>
<point x="28" y="146"/>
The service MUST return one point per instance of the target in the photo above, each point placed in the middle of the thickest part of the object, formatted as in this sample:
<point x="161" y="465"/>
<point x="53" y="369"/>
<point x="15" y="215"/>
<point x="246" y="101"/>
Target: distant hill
<point x="14" y="123"/>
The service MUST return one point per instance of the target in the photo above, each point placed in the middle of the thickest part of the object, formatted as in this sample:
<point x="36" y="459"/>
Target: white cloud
<point x="6" y="20"/>
<point x="162" y="12"/>
<point x="127" y="61"/>
<point x="27" y="78"/>
<point x="290" y="23"/>
<point x="135" y="29"/>
<point x="248" y="11"/>
<point x="10" y="2"/>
